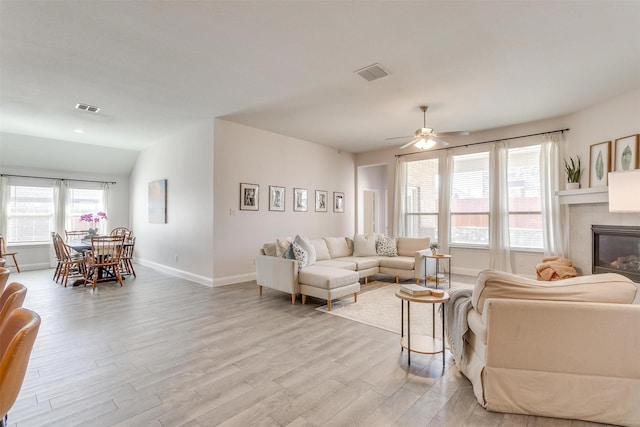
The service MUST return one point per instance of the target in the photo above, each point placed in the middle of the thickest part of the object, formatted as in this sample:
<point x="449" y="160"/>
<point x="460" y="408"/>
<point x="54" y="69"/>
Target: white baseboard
<point x="29" y="267"/>
<point x="230" y="280"/>
<point x="206" y="281"/>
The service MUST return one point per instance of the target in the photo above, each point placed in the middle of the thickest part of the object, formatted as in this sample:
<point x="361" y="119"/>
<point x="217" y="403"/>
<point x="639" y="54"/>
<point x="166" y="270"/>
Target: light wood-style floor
<point x="162" y="351"/>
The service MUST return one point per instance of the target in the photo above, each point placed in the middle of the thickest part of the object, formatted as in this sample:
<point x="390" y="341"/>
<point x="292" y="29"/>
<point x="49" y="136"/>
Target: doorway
<point x="372" y="199"/>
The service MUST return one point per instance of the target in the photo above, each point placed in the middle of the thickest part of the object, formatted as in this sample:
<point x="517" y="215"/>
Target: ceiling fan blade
<point x="398" y="137"/>
<point x="413" y="141"/>
<point x="459" y="132"/>
<point x="440" y="143"/>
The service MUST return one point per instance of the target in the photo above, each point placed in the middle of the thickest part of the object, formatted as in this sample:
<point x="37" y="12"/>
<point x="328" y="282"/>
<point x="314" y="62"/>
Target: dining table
<point x="84" y="245"/>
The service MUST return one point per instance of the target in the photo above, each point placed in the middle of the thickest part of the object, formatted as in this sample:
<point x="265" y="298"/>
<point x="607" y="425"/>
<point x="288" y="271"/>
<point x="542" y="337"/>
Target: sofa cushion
<point x="408" y="246"/>
<point x="364" y="245"/>
<point x="322" y="251"/>
<point x="386" y="246"/>
<point x="282" y="244"/>
<point x="326" y="277"/>
<point x="337" y="247"/>
<point x="306" y="244"/>
<point x="269" y="249"/>
<point x="361" y="263"/>
<point x="349" y="245"/>
<point x="337" y="263"/>
<point x="607" y="288"/>
<point x="399" y="262"/>
<point x="301" y="255"/>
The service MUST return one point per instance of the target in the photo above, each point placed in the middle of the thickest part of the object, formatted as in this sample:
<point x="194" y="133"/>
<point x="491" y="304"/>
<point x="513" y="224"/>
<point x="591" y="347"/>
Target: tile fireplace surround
<point x="616" y="249"/>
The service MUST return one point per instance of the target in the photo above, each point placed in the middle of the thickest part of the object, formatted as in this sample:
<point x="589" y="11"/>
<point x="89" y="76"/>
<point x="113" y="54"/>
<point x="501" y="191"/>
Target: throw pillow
<point x="282" y="244"/>
<point x="269" y="249"/>
<point x="386" y="246"/>
<point x="306" y="244"/>
<point x="364" y="245"/>
<point x="300" y="254"/>
<point x="289" y="253"/>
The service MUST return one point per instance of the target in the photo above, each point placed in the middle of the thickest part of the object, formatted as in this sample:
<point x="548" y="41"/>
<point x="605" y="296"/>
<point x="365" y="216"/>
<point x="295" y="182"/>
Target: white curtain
<point x="59" y="209"/>
<point x="444" y="217"/>
<point x="4" y="204"/>
<point x="399" y="198"/>
<point x="105" y="206"/>
<point x="554" y="215"/>
<point x="499" y="244"/>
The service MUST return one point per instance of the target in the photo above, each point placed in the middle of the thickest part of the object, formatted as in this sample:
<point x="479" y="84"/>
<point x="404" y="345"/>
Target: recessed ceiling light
<point x="89" y="108"/>
<point x="78" y="131"/>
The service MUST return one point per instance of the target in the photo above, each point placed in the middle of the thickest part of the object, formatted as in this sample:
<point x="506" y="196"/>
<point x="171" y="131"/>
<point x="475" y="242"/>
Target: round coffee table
<point x="423" y="344"/>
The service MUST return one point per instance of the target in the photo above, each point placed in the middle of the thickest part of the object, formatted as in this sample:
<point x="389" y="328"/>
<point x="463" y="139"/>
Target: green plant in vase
<point x="574" y="173"/>
<point x="434" y="248"/>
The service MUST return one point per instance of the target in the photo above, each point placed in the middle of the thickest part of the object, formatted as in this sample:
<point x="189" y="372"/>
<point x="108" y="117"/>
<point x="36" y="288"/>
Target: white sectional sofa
<point x="337" y="265"/>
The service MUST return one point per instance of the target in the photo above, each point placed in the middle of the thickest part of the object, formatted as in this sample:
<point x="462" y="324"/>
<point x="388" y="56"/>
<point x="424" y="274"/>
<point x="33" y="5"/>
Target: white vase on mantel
<point x="572" y="185"/>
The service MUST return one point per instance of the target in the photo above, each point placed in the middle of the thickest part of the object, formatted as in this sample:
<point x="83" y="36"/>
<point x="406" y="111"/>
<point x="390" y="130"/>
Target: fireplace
<point x="616" y="249"/>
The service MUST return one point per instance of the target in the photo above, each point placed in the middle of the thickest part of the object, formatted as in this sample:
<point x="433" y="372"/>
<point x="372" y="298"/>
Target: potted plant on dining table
<point x="94" y="220"/>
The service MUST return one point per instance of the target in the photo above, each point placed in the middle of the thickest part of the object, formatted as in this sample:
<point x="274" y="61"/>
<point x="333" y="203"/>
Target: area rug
<point x="381" y="308"/>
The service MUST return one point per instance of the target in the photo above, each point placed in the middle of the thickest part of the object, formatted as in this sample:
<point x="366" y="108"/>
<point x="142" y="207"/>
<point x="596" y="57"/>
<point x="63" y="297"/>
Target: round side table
<point x="423" y="344"/>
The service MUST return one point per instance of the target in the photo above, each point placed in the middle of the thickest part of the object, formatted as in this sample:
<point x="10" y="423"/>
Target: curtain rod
<point x="486" y="142"/>
<point x="61" y="179"/>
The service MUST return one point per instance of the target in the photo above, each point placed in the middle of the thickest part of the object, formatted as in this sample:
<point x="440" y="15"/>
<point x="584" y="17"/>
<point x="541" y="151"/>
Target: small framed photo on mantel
<point x="599" y="164"/>
<point x="249" y="197"/>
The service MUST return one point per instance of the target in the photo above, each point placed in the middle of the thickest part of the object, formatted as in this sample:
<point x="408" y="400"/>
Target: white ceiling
<point x="157" y="67"/>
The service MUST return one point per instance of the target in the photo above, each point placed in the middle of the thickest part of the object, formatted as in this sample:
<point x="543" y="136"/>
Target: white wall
<point x="614" y="118"/>
<point x="184" y="245"/>
<point x="248" y="155"/>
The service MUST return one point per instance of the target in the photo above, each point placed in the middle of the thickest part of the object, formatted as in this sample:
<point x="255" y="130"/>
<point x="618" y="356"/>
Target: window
<point x="525" y="209"/>
<point x="422" y="199"/>
<point x="83" y="201"/>
<point x="30" y="214"/>
<point x="470" y="200"/>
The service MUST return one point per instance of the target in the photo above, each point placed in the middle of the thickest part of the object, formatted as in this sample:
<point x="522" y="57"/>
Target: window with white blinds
<point x="30" y="214"/>
<point x="83" y="201"/>
<point x="422" y="199"/>
<point x="470" y="200"/>
<point x="525" y="208"/>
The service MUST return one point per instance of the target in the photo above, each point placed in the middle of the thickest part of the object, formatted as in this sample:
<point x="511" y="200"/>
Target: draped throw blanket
<point x="455" y="319"/>
<point x="555" y="268"/>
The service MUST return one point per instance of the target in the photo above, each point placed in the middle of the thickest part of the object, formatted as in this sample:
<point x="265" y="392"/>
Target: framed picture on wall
<point x="321" y="200"/>
<point x="338" y="201"/>
<point x="299" y="200"/>
<point x="249" y="197"/>
<point x="276" y="198"/>
<point x="158" y="202"/>
<point x="599" y="164"/>
<point x="626" y="153"/>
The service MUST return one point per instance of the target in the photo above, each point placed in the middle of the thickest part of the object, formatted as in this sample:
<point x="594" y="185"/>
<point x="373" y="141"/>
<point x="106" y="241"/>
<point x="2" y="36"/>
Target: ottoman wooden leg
<point x="260" y="287"/>
<point x="328" y="305"/>
<point x="304" y="299"/>
<point x="293" y="298"/>
<point x="355" y="297"/>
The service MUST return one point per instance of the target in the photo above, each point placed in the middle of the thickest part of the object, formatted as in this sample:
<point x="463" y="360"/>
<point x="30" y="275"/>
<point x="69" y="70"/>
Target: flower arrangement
<point x="94" y="220"/>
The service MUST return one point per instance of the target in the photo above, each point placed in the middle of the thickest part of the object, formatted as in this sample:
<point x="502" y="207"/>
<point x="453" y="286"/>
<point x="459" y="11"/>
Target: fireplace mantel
<point x="584" y="196"/>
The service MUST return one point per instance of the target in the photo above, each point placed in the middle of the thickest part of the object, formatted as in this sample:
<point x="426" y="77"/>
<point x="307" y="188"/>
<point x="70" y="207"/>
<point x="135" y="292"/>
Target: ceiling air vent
<point x="89" y="108"/>
<point x="372" y="72"/>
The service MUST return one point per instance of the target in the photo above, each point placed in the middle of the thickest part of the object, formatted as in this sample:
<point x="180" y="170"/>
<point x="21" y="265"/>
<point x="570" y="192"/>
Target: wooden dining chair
<point x="122" y="231"/>
<point x="126" y="261"/>
<point x="71" y="265"/>
<point x="4" y="254"/>
<point x="17" y="336"/>
<point x="103" y="260"/>
<point x="74" y="234"/>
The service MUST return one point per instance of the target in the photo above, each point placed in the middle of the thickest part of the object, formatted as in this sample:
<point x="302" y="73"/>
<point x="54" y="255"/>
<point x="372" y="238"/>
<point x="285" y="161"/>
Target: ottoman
<point x="328" y="283"/>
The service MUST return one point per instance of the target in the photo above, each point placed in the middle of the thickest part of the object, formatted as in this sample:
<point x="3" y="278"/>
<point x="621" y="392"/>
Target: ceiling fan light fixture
<point x="425" y="144"/>
<point x="423" y="132"/>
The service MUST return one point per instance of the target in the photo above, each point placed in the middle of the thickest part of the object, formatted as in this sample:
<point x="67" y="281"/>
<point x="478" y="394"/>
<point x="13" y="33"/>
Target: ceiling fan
<point x="426" y="138"/>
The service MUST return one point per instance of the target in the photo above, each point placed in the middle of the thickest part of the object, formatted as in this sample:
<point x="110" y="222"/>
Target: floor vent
<point x="372" y="72"/>
<point x="89" y="108"/>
